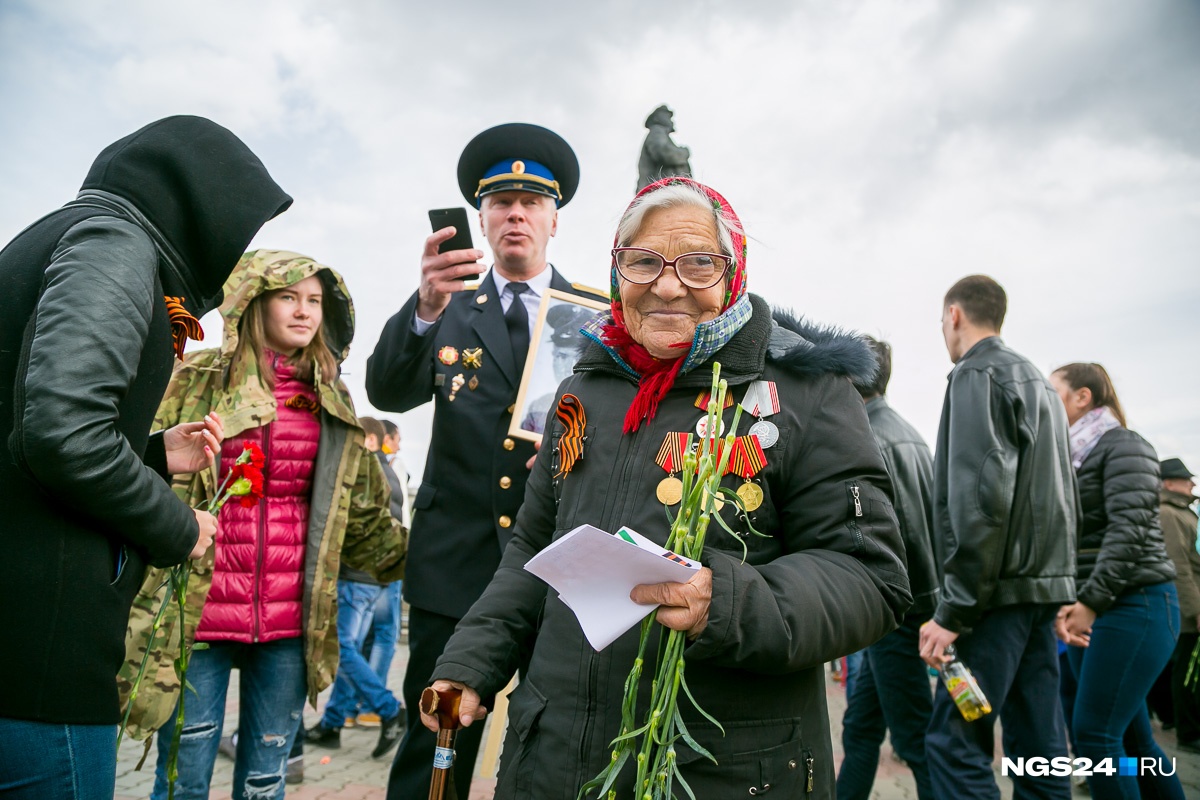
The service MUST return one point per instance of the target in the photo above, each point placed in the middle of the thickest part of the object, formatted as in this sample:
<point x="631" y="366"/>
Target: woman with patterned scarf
<point x="827" y="579"/>
<point x="1123" y="627"/>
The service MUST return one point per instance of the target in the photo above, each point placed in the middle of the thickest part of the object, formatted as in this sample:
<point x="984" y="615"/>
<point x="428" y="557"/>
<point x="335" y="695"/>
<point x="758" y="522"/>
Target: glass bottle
<point x="963" y="688"/>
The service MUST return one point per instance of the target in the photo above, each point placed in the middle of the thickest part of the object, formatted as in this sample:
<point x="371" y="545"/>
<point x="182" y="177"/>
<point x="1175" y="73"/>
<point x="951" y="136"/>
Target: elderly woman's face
<point x="667" y="312"/>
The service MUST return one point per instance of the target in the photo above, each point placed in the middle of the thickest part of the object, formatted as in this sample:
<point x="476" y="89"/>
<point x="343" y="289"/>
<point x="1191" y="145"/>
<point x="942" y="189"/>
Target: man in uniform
<point x="466" y="349"/>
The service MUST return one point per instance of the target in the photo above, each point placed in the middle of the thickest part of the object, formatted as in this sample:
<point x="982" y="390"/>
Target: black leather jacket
<point x="1121" y="544"/>
<point x="1005" y="505"/>
<point x="910" y="466"/>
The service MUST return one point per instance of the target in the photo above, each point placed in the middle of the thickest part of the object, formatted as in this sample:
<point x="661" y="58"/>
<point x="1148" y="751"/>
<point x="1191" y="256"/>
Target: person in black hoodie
<point x="99" y="298"/>
<point x="1122" y="629"/>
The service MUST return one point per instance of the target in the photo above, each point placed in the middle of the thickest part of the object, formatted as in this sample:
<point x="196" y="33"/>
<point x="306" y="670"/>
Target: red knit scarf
<point x="657" y="375"/>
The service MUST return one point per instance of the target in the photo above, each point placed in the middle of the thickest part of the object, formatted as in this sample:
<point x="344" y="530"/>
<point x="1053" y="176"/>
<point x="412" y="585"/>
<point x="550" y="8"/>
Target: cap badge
<point x="518" y="167"/>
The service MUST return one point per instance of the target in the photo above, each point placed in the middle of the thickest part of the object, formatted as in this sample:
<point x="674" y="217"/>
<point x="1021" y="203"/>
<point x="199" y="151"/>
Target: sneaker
<point x="348" y="722"/>
<point x="228" y="746"/>
<point x="295" y="771"/>
<point x="322" y="736"/>
<point x="390" y="731"/>
<point x="368" y="720"/>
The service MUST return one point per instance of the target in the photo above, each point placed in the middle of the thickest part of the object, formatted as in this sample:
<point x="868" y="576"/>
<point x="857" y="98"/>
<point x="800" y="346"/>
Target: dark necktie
<point x="517" y="320"/>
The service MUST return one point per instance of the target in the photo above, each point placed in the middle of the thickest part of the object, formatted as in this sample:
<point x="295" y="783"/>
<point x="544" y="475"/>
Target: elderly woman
<point x="828" y="579"/>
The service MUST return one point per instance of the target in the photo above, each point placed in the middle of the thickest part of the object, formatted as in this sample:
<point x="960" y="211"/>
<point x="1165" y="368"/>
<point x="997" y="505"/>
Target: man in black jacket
<point x="1005" y="516"/>
<point x="465" y="347"/>
<point x="99" y="297"/>
<point x="891" y="691"/>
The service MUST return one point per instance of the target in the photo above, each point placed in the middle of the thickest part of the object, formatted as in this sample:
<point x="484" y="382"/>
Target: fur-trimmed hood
<point x="806" y="348"/>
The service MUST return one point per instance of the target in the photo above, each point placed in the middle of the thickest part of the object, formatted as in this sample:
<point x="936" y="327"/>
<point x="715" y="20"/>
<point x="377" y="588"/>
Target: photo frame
<point x="555" y="335"/>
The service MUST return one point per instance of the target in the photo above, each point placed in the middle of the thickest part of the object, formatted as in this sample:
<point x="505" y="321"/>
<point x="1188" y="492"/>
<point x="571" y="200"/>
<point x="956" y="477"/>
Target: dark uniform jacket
<point x="910" y="465"/>
<point x="85" y="354"/>
<point x="1120" y="543"/>
<point x="475" y="473"/>
<point x="1005" y="504"/>
<point x="828" y="578"/>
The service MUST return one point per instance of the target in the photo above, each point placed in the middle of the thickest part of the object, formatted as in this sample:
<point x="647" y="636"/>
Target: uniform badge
<point x="472" y="358"/>
<point x="456" y="383"/>
<point x="448" y="355"/>
<point x="473" y="384"/>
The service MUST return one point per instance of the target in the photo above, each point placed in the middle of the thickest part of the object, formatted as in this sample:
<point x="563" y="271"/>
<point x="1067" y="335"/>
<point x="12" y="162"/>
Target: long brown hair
<point x="1094" y="378"/>
<point x="252" y="340"/>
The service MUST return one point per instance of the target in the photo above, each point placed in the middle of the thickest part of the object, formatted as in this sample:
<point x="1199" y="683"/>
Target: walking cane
<point x="443" y="705"/>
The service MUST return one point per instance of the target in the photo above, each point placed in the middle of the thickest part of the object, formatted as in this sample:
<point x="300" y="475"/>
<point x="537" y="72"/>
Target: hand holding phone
<point x="449" y="264"/>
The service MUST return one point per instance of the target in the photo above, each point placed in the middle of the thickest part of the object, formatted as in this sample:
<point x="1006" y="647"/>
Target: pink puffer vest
<point x="258" y="574"/>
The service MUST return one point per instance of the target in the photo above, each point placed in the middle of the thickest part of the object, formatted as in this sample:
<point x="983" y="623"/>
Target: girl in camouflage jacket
<point x="264" y="598"/>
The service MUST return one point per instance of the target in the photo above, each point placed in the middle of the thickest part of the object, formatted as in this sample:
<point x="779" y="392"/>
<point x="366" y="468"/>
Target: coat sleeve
<point x="375" y="541"/>
<point x="1129" y="479"/>
<point x="982" y="469"/>
<point x="1179" y="532"/>
<point x="841" y="583"/>
<point x="400" y="371"/>
<point x="83" y="347"/>
<point x="485" y="649"/>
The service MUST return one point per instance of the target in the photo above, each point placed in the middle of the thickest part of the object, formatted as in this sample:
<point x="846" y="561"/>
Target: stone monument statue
<point x="661" y="157"/>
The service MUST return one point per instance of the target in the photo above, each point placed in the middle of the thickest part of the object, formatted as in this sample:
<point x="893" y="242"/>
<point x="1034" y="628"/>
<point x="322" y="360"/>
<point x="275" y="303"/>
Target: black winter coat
<point x="829" y="578"/>
<point x="85" y="355"/>
<point x="1121" y="544"/>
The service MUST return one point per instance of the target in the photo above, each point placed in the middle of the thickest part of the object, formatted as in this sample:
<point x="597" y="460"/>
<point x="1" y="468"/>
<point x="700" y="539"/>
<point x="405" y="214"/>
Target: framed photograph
<point x="553" y="350"/>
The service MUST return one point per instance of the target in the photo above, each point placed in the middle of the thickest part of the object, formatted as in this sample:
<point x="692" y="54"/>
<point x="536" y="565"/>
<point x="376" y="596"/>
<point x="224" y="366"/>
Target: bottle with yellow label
<point x="963" y="688"/>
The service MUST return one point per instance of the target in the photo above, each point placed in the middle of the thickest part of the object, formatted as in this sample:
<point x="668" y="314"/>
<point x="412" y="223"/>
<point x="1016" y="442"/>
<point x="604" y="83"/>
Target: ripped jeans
<point x="272" y="689"/>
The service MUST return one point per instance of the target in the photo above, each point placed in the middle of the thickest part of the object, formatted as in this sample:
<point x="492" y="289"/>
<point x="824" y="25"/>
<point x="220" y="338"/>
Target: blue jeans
<point x="1013" y="653"/>
<point x="891" y="692"/>
<point x="272" y="688"/>
<point x="387" y="630"/>
<point x="55" y="761"/>
<point x="853" y="665"/>
<point x="355" y="678"/>
<point x="1131" y="643"/>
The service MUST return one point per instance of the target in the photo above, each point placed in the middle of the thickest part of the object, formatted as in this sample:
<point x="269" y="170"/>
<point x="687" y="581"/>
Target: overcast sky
<point x="875" y="151"/>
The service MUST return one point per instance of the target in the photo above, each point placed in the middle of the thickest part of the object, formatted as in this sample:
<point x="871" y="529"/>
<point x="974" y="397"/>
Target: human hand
<point x="683" y="606"/>
<point x="208" y="532"/>
<point x="933" y="643"/>
<point x="192" y="446"/>
<point x="442" y="274"/>
<point x="469" y="709"/>
<point x="1073" y="624"/>
<point x="533" y="458"/>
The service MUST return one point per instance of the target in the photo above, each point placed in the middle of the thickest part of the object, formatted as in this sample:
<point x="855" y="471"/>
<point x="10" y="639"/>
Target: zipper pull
<point x="808" y="762"/>
<point x="857" y="502"/>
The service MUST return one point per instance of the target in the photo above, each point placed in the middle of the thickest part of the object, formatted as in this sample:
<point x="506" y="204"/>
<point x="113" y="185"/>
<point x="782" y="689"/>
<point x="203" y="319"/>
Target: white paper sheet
<point x="594" y="571"/>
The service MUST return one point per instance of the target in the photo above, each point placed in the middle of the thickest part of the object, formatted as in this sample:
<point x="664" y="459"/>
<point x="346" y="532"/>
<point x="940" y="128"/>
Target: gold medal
<point x="447" y="355"/>
<point x="472" y="357"/>
<point x="751" y="494"/>
<point x="670" y="490"/>
<point x="717" y="502"/>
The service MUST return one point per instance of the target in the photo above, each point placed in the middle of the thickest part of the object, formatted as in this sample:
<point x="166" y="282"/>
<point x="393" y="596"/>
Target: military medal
<point x="702" y="427"/>
<point x="472" y="358"/>
<point x="705" y="397"/>
<point x="456" y="383"/>
<point x="747" y="460"/>
<point x="670" y="458"/>
<point x="447" y="355"/>
<point x="762" y="400"/>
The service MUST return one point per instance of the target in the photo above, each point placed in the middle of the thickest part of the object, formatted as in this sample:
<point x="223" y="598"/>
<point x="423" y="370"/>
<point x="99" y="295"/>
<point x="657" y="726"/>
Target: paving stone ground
<point x="351" y="774"/>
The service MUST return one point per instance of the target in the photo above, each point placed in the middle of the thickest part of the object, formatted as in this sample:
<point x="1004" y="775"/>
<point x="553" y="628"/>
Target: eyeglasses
<point x="695" y="270"/>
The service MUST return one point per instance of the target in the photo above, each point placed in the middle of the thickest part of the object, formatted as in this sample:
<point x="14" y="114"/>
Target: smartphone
<point x="445" y="217"/>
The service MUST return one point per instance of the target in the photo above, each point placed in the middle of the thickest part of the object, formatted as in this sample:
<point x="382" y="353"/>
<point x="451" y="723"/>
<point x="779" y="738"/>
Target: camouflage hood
<point x="261" y="271"/>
